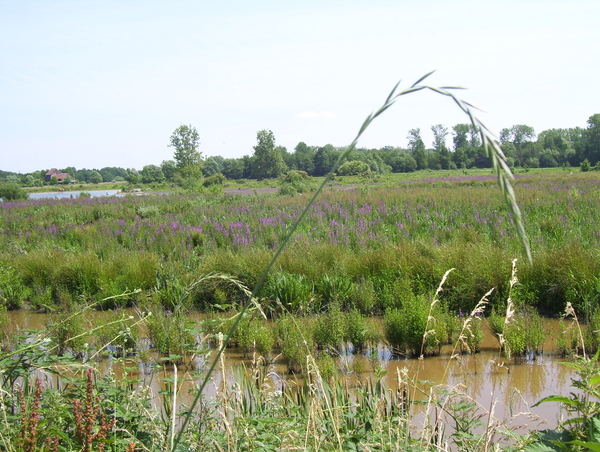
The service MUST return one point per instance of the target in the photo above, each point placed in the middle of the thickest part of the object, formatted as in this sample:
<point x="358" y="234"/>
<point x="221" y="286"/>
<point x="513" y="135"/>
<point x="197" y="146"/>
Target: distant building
<point x="60" y="177"/>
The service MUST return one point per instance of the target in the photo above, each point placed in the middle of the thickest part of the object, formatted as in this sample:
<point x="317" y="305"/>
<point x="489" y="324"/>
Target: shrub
<point x="118" y="332"/>
<point x="330" y="329"/>
<point x="12" y="192"/>
<point x="353" y="168"/>
<point x="173" y="335"/>
<point x="294" y="176"/>
<point x="67" y="330"/>
<point x="363" y="297"/>
<point x="411" y="330"/>
<point x="295" y="339"/>
<point x="334" y="288"/>
<point x="523" y="332"/>
<point x="360" y="331"/>
<point x="292" y="292"/>
<point x="254" y="335"/>
<point x="215" y="179"/>
<point x="13" y="292"/>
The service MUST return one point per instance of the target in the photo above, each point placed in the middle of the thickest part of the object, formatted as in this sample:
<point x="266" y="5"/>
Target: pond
<point x="75" y="194"/>
<point x="506" y="388"/>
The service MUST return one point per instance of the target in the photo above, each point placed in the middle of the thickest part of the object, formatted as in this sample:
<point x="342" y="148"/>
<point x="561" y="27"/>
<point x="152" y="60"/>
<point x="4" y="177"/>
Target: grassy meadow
<point x="420" y="251"/>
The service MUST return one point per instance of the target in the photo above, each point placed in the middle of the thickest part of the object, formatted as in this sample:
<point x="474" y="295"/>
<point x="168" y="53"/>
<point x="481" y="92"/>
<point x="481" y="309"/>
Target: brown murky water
<point x="508" y="389"/>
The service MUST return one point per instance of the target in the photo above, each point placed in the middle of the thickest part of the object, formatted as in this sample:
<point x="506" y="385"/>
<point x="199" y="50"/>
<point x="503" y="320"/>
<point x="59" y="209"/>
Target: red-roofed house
<point x="60" y="177"/>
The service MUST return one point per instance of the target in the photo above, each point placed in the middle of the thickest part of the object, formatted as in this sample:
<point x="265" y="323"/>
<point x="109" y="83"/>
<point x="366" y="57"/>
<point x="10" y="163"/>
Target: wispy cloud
<point x="316" y="115"/>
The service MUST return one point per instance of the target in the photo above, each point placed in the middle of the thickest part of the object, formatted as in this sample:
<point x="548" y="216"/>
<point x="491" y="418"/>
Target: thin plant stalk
<point x="173" y="410"/>
<point x="492" y="147"/>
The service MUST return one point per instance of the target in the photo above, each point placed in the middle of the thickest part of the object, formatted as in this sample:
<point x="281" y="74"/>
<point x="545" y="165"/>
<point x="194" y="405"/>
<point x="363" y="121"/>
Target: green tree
<point x="324" y="159"/>
<point x="233" y="168"/>
<point x="268" y="160"/>
<point x="133" y="177"/>
<point x="592" y="135"/>
<point x="169" y="169"/>
<point x="188" y="159"/>
<point x="95" y="177"/>
<point x="304" y="157"/>
<point x="152" y="173"/>
<point x="460" y="137"/>
<point x="439" y="144"/>
<point x="417" y="148"/>
<point x="213" y="165"/>
<point x="585" y="166"/>
<point x="415" y="141"/>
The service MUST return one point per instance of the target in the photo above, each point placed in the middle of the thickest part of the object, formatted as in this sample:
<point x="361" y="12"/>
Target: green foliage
<point x="360" y="331"/>
<point x="581" y="431"/>
<point x="13" y="293"/>
<point x="268" y="160"/>
<point x="173" y="335"/>
<point x="254" y="335"/>
<point x="334" y="289"/>
<point x="295" y="339"/>
<point x="118" y="333"/>
<point x="68" y="332"/>
<point x="215" y="179"/>
<point x="330" y="329"/>
<point x="409" y="329"/>
<point x="294" y="182"/>
<point x="147" y="211"/>
<point x="12" y="192"/>
<point x="188" y="160"/>
<point x="363" y="296"/>
<point x="293" y="292"/>
<point x="294" y="176"/>
<point x="522" y="333"/>
<point x="353" y="168"/>
<point x="585" y="166"/>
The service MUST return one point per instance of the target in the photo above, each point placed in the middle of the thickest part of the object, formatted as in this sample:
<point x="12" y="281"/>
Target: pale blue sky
<point x="104" y="83"/>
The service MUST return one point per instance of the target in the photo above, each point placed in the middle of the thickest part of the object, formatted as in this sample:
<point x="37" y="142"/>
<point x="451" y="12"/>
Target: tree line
<point x="522" y="146"/>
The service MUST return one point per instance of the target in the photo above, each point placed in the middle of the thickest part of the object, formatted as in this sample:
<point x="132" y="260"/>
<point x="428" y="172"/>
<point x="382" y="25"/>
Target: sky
<point x="92" y="84"/>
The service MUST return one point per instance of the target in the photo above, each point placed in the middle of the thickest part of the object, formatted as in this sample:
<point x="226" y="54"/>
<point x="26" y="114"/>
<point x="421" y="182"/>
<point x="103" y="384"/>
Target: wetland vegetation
<point x="364" y="268"/>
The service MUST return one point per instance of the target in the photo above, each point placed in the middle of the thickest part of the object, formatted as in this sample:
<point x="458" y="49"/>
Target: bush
<point x="353" y="168"/>
<point x="215" y="179"/>
<point x="294" y="176"/>
<point x="12" y="192"/>
<point x="523" y="333"/>
<point x="295" y="339"/>
<point x="292" y="292"/>
<point x="406" y="328"/>
<point x="330" y="329"/>
<point x="585" y="166"/>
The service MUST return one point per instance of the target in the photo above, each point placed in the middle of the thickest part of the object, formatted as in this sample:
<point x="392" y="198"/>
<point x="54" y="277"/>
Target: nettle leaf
<point x="557" y="398"/>
<point x="549" y="441"/>
<point x="589" y="445"/>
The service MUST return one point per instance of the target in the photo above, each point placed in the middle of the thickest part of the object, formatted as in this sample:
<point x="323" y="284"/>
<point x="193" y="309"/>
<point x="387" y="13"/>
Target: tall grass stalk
<point x="466" y="329"/>
<point x="491" y="145"/>
<point x="430" y="317"/>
